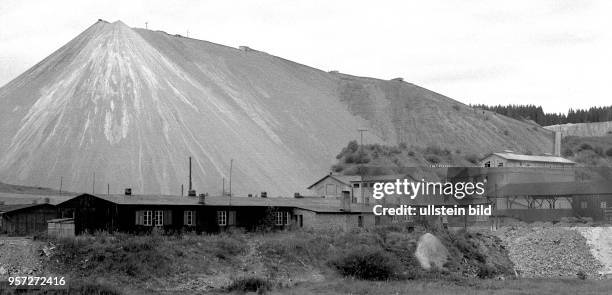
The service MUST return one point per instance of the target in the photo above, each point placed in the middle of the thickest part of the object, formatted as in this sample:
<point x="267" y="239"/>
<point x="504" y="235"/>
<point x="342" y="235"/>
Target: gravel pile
<point x="547" y="251"/>
<point x="18" y="256"/>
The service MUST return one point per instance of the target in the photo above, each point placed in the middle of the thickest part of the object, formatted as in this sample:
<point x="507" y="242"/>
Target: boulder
<point x="431" y="252"/>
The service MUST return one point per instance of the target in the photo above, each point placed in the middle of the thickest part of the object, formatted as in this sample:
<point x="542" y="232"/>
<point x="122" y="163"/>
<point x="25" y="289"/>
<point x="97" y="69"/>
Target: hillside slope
<point x="130" y="105"/>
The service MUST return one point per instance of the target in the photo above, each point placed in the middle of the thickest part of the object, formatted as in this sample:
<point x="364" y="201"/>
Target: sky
<point x="557" y="53"/>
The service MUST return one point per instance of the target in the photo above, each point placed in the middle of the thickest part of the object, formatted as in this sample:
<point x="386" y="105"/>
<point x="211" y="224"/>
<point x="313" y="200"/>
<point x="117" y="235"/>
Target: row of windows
<point x="156" y="217"/>
<point x="224" y="218"/>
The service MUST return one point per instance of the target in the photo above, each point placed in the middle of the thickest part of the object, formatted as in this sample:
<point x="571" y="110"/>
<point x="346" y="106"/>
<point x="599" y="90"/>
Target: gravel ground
<point x="19" y="256"/>
<point x="548" y="251"/>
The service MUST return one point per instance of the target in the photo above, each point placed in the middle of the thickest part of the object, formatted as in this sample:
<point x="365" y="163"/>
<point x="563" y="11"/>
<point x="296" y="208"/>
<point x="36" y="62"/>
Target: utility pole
<point x="361" y="131"/>
<point x="93" y="185"/>
<point x="190" y="184"/>
<point x="230" y="177"/>
<point x="223" y="187"/>
<point x="146" y="25"/>
<point x="108" y="189"/>
<point x="61" y="184"/>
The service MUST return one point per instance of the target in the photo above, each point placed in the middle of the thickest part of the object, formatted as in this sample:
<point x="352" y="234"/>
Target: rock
<point x="431" y="252"/>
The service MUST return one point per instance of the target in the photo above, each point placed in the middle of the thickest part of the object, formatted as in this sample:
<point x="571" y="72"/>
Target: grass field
<point x="525" y="286"/>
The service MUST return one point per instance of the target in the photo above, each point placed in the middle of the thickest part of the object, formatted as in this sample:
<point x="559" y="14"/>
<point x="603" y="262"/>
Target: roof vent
<point x="264" y="194"/>
<point x="191" y="193"/>
<point x="398" y="79"/>
<point x="128" y="191"/>
<point x="297" y="196"/>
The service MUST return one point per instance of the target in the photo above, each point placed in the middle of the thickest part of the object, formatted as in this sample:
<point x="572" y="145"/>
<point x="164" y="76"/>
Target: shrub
<point x="581" y="275"/>
<point x="433" y="159"/>
<point x="436" y="150"/>
<point x="472" y="158"/>
<point x="486" y="271"/>
<point x="403" y="146"/>
<point x="366" y="264"/>
<point x="585" y="146"/>
<point x="568" y="153"/>
<point x="250" y="284"/>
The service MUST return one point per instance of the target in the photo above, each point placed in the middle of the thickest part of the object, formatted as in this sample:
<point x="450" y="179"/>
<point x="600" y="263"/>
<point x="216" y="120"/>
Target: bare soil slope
<point x="132" y="104"/>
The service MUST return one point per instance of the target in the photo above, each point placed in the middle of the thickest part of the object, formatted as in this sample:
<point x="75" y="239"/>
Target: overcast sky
<point x="557" y="54"/>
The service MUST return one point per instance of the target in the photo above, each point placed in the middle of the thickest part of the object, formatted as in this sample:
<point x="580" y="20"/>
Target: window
<point x="488" y="164"/>
<point x="282" y="218"/>
<point x="500" y="164"/>
<point x="222" y="218"/>
<point x="147" y="218"/>
<point x="482" y="217"/>
<point x="356" y="185"/>
<point x="189" y="218"/>
<point x="301" y="220"/>
<point x="604" y="205"/>
<point x="159" y="218"/>
<point x="360" y="221"/>
<point x="583" y="204"/>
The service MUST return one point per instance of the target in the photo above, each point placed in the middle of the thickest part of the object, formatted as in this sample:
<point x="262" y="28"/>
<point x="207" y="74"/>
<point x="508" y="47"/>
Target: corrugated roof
<point x="532" y="158"/>
<point x="557" y="188"/>
<point x="15" y="207"/>
<point x="321" y="205"/>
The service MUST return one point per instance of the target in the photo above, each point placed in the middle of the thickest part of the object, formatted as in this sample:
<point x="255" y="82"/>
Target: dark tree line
<point x="535" y="113"/>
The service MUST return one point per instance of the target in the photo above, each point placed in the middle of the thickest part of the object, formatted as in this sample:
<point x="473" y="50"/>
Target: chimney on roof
<point x="297" y="196"/>
<point x="346" y="201"/>
<point x="128" y="191"/>
<point x="264" y="194"/>
<point x="557" y="144"/>
<point x="202" y="199"/>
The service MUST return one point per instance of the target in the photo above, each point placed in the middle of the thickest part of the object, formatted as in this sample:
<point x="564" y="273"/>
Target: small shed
<point x="25" y="219"/>
<point x="61" y="228"/>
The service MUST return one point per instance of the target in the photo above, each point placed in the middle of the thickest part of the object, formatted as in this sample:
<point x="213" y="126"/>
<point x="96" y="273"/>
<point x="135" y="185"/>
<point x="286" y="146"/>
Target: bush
<point x="433" y="159"/>
<point x="568" y="153"/>
<point x="472" y="158"/>
<point x="250" y="284"/>
<point x="487" y="271"/>
<point x="585" y="146"/>
<point x="581" y="275"/>
<point x="367" y="264"/>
